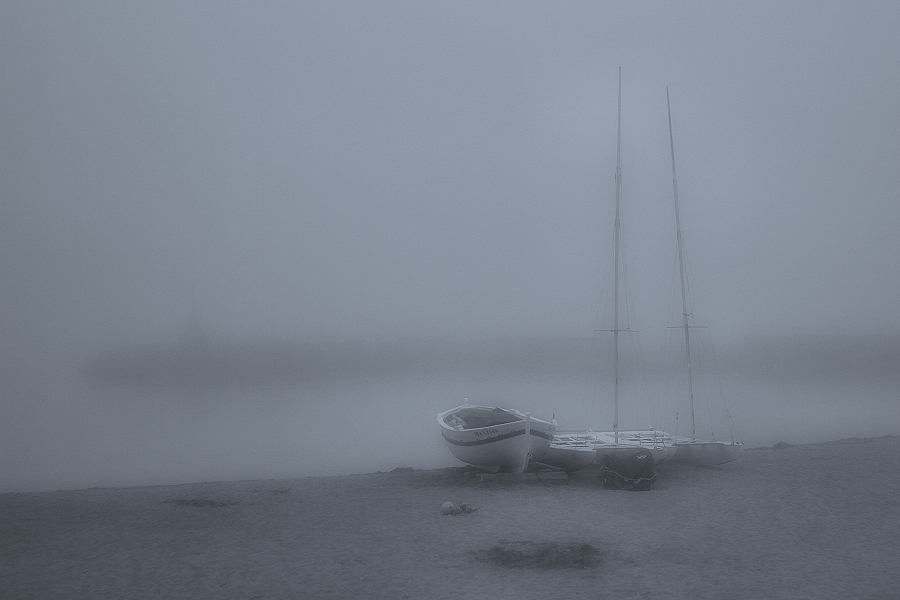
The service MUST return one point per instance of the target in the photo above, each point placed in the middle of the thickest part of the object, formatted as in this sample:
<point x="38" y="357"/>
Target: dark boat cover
<point x="628" y="470"/>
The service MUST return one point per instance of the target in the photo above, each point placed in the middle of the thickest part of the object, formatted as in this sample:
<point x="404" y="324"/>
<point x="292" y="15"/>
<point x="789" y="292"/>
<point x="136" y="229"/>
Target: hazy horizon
<point x="376" y="172"/>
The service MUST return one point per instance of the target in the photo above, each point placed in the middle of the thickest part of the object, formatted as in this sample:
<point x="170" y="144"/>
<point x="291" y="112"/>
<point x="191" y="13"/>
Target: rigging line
<point x="687" y="338"/>
<point x="640" y="387"/>
<point x="590" y="393"/>
<point x="592" y="385"/>
<point x="706" y="356"/>
<point x="717" y="373"/>
<point x="626" y="296"/>
<point x="591" y="389"/>
<point x="734" y="435"/>
<point x="633" y="349"/>
<point x="702" y="351"/>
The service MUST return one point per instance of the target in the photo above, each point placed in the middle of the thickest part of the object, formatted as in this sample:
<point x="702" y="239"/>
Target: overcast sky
<point x="435" y="169"/>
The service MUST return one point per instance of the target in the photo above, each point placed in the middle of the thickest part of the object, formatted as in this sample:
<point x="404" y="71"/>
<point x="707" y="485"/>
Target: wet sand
<point x="812" y="521"/>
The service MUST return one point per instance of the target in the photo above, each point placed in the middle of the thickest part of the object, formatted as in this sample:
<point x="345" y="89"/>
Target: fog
<point x="412" y="204"/>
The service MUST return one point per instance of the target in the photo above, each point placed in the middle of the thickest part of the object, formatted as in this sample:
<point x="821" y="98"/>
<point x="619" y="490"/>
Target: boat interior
<point x="476" y="418"/>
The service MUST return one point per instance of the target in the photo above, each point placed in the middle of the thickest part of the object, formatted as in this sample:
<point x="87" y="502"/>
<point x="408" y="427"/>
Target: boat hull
<point x="569" y="456"/>
<point x="660" y="454"/>
<point x="705" y="453"/>
<point x="657" y="443"/>
<point x="495" y="439"/>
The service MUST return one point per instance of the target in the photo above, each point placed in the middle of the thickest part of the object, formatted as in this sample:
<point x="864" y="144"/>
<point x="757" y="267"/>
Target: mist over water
<point x="69" y="430"/>
<point x="363" y="213"/>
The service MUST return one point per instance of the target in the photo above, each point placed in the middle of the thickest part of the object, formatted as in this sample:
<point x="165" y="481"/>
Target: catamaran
<point x="573" y="450"/>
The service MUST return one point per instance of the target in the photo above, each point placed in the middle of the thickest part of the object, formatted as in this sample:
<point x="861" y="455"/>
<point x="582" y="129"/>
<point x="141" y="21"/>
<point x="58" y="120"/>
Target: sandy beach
<point x="812" y="521"/>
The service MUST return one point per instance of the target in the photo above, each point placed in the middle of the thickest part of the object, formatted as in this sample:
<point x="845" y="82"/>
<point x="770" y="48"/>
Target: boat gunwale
<point x="541" y="423"/>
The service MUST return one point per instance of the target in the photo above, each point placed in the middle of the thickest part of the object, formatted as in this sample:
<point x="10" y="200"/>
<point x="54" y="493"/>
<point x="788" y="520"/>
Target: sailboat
<point x="505" y="439"/>
<point x="573" y="450"/>
<point x="691" y="449"/>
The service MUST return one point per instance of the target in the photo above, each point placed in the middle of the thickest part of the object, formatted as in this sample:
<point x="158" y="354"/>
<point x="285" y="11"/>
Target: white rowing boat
<point x="495" y="439"/>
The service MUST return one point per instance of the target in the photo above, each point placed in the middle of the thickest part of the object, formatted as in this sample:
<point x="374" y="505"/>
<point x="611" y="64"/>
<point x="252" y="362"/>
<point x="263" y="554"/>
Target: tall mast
<point x="616" y="269"/>
<point x="680" y="242"/>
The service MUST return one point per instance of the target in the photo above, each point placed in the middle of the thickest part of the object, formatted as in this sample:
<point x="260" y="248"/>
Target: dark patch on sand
<point x="541" y="555"/>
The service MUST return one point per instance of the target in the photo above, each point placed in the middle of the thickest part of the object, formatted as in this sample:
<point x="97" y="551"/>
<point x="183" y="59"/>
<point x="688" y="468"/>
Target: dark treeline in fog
<point x="224" y="363"/>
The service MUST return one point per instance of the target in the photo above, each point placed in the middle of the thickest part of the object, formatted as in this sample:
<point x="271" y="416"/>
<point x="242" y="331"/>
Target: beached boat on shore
<point x="495" y="439"/>
<point x="574" y="450"/>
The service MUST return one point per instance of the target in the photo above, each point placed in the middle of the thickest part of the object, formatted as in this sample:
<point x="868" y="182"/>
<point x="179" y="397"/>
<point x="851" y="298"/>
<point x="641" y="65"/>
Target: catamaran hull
<point x="568" y="449"/>
<point x="658" y="443"/>
<point x="660" y="454"/>
<point x="706" y="454"/>
<point x="569" y="457"/>
<point x="505" y="447"/>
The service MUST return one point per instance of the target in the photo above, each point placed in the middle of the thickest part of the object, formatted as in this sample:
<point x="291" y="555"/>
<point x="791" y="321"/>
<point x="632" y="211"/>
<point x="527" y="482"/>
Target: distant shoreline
<point x="224" y="363"/>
